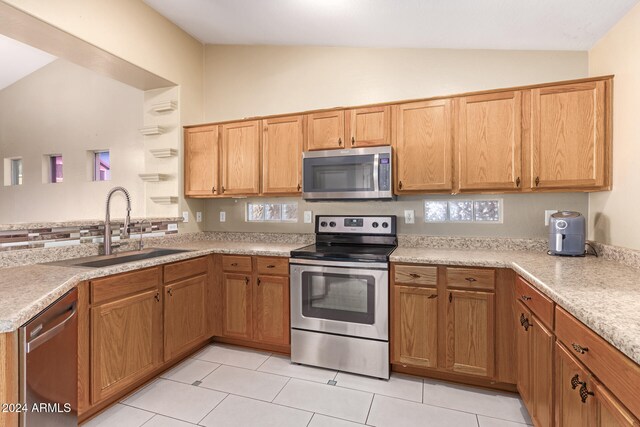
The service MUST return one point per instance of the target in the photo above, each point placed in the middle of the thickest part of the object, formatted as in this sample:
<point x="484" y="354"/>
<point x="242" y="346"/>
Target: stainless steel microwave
<point x="358" y="173"/>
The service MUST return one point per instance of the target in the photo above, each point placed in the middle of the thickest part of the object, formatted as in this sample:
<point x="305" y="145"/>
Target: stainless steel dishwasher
<point x="49" y="365"/>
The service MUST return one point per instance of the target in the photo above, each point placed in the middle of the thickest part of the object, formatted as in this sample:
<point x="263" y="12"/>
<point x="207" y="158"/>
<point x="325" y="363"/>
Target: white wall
<point x="66" y="109"/>
<point x="244" y="81"/>
<point x="613" y="216"/>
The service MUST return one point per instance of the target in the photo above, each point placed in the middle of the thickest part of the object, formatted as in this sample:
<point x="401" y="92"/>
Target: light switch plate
<point x="308" y="217"/>
<point x="198" y="216"/>
<point x="547" y="215"/>
<point x="185" y="216"/>
<point x="409" y="216"/>
<point x="223" y="216"/>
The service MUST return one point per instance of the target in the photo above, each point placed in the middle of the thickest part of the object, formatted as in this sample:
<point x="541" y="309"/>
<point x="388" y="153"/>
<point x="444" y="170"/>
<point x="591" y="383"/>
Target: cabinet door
<point x="524" y="322"/>
<point x="201" y="161"/>
<point x="542" y="343"/>
<point x="236" y="317"/>
<point x="325" y="131"/>
<point x="271" y="310"/>
<point x="609" y="411"/>
<point x="423" y="146"/>
<point x="369" y="127"/>
<point x="470" y="333"/>
<point x="185" y="321"/>
<point x="126" y="342"/>
<point x="571" y="378"/>
<point x="568" y="136"/>
<point x="241" y="158"/>
<point x="489" y="141"/>
<point x="282" y="155"/>
<point x="415" y="326"/>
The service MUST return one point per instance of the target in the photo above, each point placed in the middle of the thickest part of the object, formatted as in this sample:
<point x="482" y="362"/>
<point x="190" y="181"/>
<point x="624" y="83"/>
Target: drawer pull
<point x="246" y="280"/>
<point x="271" y="266"/>
<point x="525" y="298"/>
<point x="234" y="264"/>
<point x="575" y="381"/>
<point x="432" y="296"/>
<point x="414" y="275"/>
<point x="157" y="297"/>
<point x="170" y="292"/>
<point x="258" y="281"/>
<point x="579" y="349"/>
<point x="470" y="279"/>
<point x="585" y="393"/>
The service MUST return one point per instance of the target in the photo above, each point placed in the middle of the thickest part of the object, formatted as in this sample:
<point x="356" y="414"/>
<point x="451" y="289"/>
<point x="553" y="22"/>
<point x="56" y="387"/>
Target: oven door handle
<point x="340" y="264"/>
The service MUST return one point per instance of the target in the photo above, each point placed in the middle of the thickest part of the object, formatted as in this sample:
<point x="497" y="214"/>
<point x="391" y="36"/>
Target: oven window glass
<point x="341" y="297"/>
<point x="339" y="174"/>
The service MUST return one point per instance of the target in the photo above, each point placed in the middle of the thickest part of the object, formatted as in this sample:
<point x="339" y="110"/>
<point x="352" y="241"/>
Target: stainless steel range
<point x="340" y="295"/>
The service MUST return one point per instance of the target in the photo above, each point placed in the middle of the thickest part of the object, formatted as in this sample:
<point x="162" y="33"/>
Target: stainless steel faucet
<point x="107" y="219"/>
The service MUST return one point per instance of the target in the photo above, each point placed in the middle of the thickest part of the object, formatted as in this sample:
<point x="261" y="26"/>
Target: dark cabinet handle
<point x="400" y="185"/>
<point x="575" y="381"/>
<point x="157" y="297"/>
<point x="258" y="281"/>
<point x="223" y="188"/>
<point x="525" y="298"/>
<point x="353" y="141"/>
<point x="518" y="182"/>
<point x="271" y="266"/>
<point x="470" y="279"/>
<point x="432" y="296"/>
<point x="537" y="181"/>
<point x="246" y="280"/>
<point x="584" y="393"/>
<point x="170" y="292"/>
<point x="340" y="142"/>
<point x="450" y="297"/>
<point x="234" y="264"/>
<point x="414" y="275"/>
<point x="299" y="187"/>
<point x="524" y="321"/>
<point x="579" y="349"/>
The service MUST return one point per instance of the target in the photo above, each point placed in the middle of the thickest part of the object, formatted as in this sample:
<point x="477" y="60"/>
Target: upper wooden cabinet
<point x="282" y="143"/>
<point x="489" y="141"/>
<point x="201" y="156"/>
<point x="325" y="130"/>
<point x="368" y="127"/>
<point x="240" y="159"/>
<point x="569" y="136"/>
<point x="423" y="144"/>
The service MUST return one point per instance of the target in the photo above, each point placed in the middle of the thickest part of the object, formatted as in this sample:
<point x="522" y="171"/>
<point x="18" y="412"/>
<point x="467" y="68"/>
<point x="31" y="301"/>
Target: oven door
<point x="340" y="298"/>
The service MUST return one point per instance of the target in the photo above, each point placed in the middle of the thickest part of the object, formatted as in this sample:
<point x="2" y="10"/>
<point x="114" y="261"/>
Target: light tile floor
<point x="231" y="386"/>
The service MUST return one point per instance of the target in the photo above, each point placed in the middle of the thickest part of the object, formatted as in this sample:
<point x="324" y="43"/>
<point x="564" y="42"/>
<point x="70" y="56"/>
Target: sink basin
<point x="119" y="258"/>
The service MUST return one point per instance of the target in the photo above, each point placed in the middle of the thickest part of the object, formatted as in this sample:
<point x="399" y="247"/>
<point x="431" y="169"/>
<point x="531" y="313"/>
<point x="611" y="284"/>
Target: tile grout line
<point x="212" y="409"/>
<point x="280" y="391"/>
<point x="263" y="362"/>
<point x="366" y="420"/>
<point x="154" y="414"/>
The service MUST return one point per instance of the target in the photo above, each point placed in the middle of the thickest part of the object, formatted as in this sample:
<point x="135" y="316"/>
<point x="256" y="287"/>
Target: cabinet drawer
<point x="276" y="266"/>
<point x="416" y="275"/>
<point x="236" y="263"/>
<point x="183" y="269"/>
<point x="471" y="278"/>
<point x="537" y="302"/>
<point x="616" y="371"/>
<point x="108" y="288"/>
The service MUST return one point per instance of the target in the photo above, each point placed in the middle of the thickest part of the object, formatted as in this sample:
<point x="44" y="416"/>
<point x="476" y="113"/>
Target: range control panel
<point x="356" y="224"/>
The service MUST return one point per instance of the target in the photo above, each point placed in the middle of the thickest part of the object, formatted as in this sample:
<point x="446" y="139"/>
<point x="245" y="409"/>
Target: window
<point x="16" y="172"/>
<point x="487" y="211"/>
<point x="102" y="166"/>
<point x="283" y="212"/>
<point x="55" y="168"/>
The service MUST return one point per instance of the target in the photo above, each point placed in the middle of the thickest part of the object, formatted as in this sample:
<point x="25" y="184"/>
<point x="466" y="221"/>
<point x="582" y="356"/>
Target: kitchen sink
<point x="119" y="258"/>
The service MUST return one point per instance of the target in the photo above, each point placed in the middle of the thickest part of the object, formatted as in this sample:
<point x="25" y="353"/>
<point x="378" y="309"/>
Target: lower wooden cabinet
<point x="523" y="352"/>
<point x="185" y="319"/>
<point x="574" y="405"/>
<point x="541" y="359"/>
<point x="470" y="332"/>
<point x="256" y="300"/>
<point x="126" y="342"/>
<point x="236" y="294"/>
<point x="415" y="326"/>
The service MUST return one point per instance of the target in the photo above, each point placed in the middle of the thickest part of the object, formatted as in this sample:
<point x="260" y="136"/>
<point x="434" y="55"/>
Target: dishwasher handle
<point x="52" y="331"/>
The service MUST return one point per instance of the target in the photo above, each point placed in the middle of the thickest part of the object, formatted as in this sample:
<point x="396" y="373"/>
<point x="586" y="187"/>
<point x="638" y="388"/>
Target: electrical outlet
<point x="308" y="217"/>
<point x="409" y="217"/>
<point x="198" y="216"/>
<point x="185" y="216"/>
<point x="172" y="227"/>
<point x="223" y="216"/>
<point x="547" y="215"/>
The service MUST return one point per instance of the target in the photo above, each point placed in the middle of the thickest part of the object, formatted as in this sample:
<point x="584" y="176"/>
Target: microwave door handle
<point x="376" y="166"/>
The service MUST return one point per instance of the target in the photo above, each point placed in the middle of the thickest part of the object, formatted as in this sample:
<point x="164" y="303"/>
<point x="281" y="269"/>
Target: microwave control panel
<point x="384" y="172"/>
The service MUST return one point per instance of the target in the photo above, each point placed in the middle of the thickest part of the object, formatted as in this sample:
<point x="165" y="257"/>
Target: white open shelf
<point x="162" y="153"/>
<point x="152" y="130"/>
<point x="164" y="106"/>
<point x="164" y="200"/>
<point x="153" y="177"/>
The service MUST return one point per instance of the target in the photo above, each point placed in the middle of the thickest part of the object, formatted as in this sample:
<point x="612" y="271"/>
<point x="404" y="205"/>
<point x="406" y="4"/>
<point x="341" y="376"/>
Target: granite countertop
<point x="27" y="290"/>
<point x="604" y="295"/>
